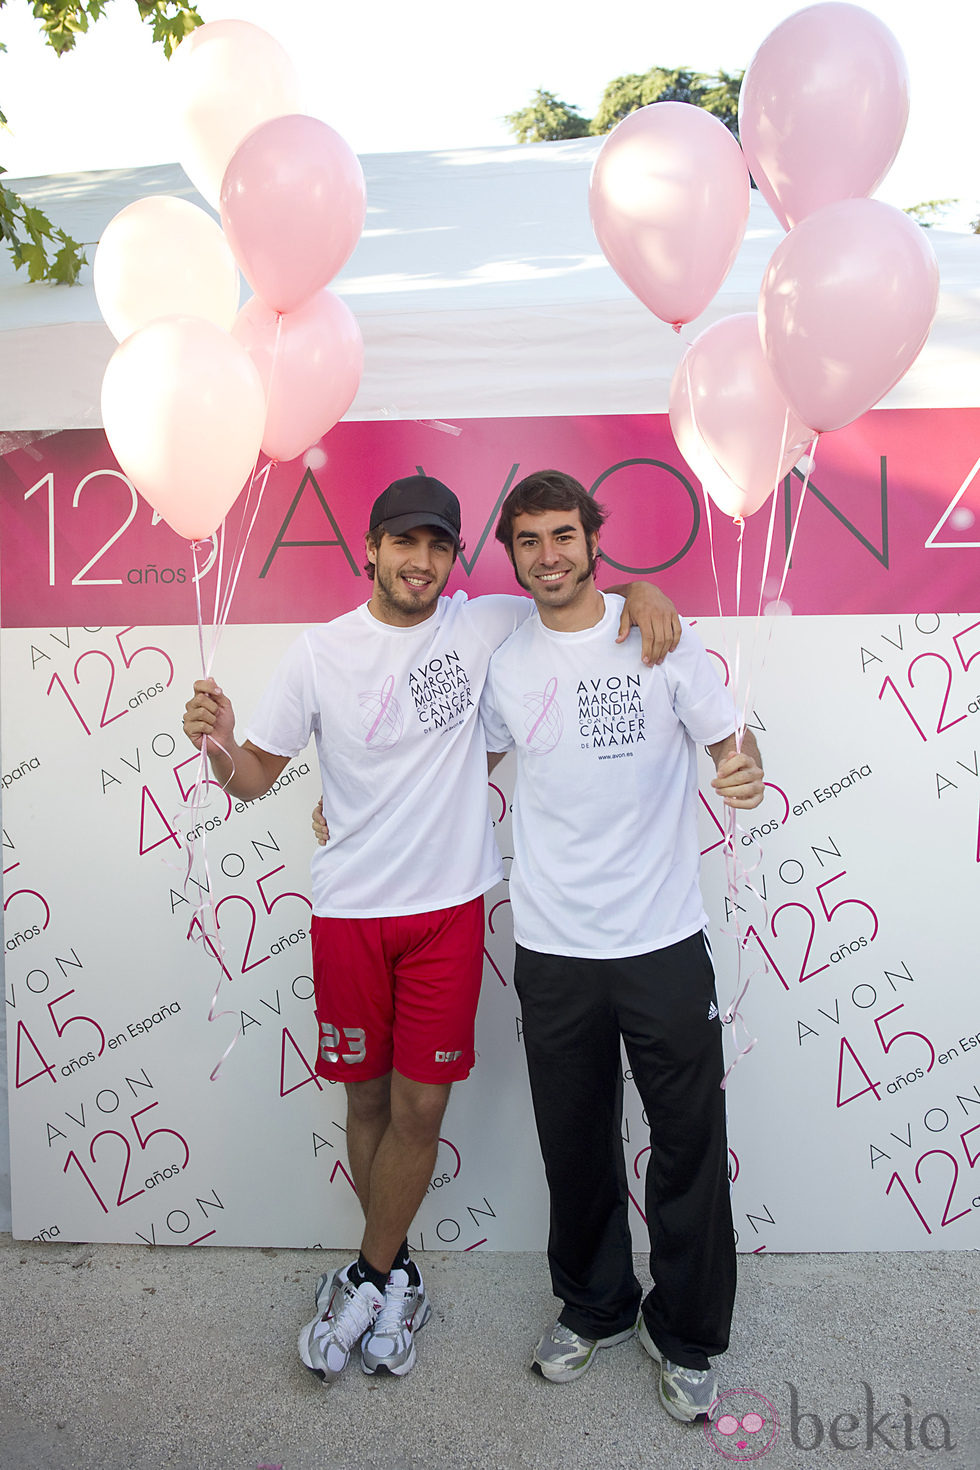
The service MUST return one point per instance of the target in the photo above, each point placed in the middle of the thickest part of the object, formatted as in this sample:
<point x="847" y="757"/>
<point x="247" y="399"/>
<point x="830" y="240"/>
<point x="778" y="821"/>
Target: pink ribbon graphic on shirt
<point x="387" y="715"/>
<point x="545" y="728"/>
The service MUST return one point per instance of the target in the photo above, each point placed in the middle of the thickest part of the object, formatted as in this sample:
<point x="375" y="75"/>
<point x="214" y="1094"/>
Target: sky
<point x="443" y="73"/>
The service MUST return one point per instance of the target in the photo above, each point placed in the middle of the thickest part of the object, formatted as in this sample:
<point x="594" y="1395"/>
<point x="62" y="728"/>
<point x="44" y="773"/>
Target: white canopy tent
<point x="479" y="288"/>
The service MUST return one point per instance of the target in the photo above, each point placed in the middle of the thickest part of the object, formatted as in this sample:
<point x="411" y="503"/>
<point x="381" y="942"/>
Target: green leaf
<point x="34" y="258"/>
<point x="37" y="224"/>
<point x="31" y="239"/>
<point x="66" y="264"/>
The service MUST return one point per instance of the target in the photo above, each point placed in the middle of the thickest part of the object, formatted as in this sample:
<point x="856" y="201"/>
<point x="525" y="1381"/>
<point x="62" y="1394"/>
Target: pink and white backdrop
<point x="854" y="1120"/>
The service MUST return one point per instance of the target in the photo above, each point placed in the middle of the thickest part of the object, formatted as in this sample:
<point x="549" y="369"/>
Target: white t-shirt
<point x="395" y="715"/>
<point x="605" y="832"/>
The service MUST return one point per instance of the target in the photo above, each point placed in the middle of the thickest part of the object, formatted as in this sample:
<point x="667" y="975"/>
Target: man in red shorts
<point x="390" y="691"/>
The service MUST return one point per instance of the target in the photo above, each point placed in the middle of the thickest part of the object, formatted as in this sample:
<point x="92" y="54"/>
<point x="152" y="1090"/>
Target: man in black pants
<point x="609" y="924"/>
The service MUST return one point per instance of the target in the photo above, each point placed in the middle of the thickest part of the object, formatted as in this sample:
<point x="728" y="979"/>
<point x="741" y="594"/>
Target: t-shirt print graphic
<point x="442" y="692"/>
<point x="544" y="723"/>
<point x="381" y="719"/>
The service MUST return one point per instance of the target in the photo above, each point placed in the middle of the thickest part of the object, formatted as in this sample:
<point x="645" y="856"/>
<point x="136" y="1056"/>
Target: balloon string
<point x="736" y="874"/>
<point x="756" y="661"/>
<point x="216" y="539"/>
<point x="706" y="496"/>
<point x="740" y="526"/>
<point x="219" y="575"/>
<point x="262" y="480"/>
<point x="772" y="512"/>
<point x="723" y="625"/>
<point x="204" y="917"/>
<point x="714" y="564"/>
<point x="799" y="512"/>
<point x="737" y="664"/>
<point x="247" y="519"/>
<point x="203" y="910"/>
<point x="734" y="1008"/>
<point x="759" y="659"/>
<point x="223" y="598"/>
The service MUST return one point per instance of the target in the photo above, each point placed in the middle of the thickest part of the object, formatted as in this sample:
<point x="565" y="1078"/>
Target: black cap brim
<point x="394" y="525"/>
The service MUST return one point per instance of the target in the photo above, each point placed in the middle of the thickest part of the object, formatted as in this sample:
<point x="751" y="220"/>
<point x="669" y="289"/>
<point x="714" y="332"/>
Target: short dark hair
<point x="548" y="490"/>
<point x="373" y="539"/>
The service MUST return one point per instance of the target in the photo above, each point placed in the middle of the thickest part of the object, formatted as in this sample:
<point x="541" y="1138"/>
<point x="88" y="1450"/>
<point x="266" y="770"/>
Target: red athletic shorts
<point x="398" y="992"/>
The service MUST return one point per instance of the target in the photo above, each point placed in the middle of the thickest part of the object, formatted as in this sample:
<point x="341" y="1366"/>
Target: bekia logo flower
<point x="745" y="1426"/>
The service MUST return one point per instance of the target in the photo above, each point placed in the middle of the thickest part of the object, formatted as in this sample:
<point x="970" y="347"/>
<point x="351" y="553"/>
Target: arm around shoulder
<point x="650" y="610"/>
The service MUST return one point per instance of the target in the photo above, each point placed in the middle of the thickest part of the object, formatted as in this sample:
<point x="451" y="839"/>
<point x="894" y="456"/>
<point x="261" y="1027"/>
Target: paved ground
<point x="124" y="1358"/>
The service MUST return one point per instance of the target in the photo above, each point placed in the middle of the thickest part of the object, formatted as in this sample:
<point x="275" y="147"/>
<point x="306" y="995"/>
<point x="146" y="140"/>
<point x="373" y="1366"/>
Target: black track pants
<point x="574" y="1013"/>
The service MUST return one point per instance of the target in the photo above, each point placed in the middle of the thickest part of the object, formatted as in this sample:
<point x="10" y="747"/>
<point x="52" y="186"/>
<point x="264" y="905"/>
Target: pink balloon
<point x="183" y="409"/>
<point x="729" y="419"/>
<point x="293" y="206"/>
<point x="310" y="364"/>
<point x="229" y="76"/>
<point x="846" y="305"/>
<point x="164" y="257"/>
<point x="823" y="109"/>
<point x="669" y="199"/>
<point x="730" y="500"/>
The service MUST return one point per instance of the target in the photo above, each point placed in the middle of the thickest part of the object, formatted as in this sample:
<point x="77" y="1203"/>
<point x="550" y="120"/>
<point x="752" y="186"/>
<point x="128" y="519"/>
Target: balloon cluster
<point x="850" y="293"/>
<point x="196" y="387"/>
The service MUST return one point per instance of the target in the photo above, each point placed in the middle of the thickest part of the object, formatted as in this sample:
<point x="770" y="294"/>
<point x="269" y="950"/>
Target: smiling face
<point x="555" y="560"/>
<point x="410" y="571"/>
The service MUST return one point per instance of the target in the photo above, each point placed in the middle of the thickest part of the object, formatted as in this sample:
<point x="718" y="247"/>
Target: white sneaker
<point x="389" y="1346"/>
<point x="346" y="1313"/>
<point x="563" y="1355"/>
<point x="686" y="1393"/>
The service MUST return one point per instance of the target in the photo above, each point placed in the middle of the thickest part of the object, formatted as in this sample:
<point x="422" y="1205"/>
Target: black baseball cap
<point x="417" y="500"/>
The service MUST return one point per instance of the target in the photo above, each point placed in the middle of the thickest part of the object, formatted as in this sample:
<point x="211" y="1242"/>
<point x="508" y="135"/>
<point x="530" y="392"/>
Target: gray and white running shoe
<point x="327" y="1283"/>
<point x="688" y="1394"/>
<point x="389" y="1346"/>
<point x="563" y="1355"/>
<point x="345" y="1314"/>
